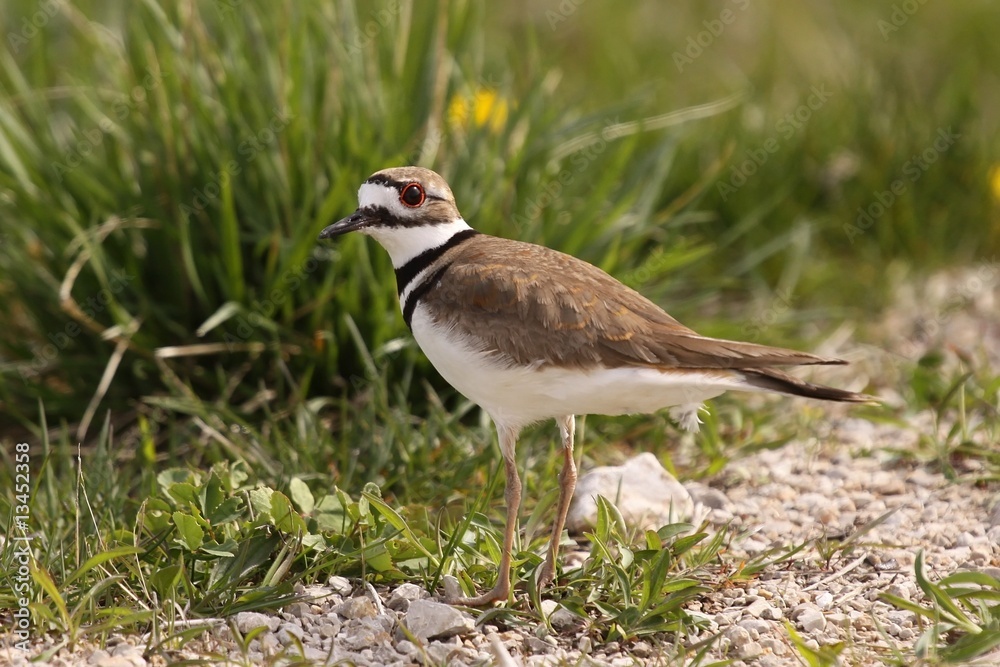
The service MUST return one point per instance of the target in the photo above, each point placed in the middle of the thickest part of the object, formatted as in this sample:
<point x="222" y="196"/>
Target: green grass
<point x="175" y="334"/>
<point x="962" y="619"/>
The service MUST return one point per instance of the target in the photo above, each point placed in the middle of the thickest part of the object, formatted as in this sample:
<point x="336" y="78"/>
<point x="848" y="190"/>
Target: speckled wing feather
<point x="535" y="306"/>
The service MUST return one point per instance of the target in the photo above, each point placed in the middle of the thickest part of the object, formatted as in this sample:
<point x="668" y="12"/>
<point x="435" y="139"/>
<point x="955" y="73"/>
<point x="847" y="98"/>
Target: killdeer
<point x="529" y="334"/>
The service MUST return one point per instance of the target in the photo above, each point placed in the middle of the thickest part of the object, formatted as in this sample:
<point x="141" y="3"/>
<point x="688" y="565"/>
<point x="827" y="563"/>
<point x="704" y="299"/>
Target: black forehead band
<point x="382" y="179"/>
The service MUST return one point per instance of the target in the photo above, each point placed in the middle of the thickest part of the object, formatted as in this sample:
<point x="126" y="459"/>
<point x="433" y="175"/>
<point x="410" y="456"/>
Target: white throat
<point x="405" y="243"/>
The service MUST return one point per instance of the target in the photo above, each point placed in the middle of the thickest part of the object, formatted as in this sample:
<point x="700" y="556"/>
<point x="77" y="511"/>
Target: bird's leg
<point x="567" y="484"/>
<point x="512" y="494"/>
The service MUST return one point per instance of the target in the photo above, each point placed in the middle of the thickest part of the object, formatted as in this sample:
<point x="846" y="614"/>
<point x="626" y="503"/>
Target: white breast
<point x="520" y="395"/>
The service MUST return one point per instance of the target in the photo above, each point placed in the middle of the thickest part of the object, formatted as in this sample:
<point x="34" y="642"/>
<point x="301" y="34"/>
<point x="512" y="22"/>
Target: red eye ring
<point x="412" y="195"/>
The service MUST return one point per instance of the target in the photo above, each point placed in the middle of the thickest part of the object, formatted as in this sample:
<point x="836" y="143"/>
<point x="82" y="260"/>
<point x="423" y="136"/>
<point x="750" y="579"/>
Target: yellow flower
<point x="484" y="108"/>
<point x="995" y="182"/>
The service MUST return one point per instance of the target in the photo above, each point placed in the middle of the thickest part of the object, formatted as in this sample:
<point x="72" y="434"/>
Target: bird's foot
<point x="546" y="573"/>
<point x="453" y="595"/>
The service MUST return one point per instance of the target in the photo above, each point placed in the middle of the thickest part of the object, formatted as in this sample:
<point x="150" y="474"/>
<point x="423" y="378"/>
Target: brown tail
<point x="772" y="380"/>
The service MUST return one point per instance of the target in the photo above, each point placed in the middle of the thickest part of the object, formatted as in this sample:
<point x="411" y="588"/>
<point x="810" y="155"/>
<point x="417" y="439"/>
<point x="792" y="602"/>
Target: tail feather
<point x="772" y="380"/>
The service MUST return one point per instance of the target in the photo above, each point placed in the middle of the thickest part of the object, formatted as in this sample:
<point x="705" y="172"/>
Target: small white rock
<point x="359" y="607"/>
<point x="97" y="656"/>
<point x="363" y="633"/>
<point x="406" y="647"/>
<point x="248" y="620"/>
<point x="643" y="491"/>
<point x="286" y="633"/>
<point x="775" y="646"/>
<point x="561" y="619"/>
<point x="329" y="628"/>
<point x="341" y="585"/>
<point x="757" y="608"/>
<point x="809" y="618"/>
<point x="298" y="609"/>
<point x="642" y="650"/>
<point x="428" y="619"/>
<point x="738" y="637"/>
<point x="755" y="626"/>
<point x="404" y="594"/>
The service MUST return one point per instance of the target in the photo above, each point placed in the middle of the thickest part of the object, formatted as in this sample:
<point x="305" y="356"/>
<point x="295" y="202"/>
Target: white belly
<point x="518" y="396"/>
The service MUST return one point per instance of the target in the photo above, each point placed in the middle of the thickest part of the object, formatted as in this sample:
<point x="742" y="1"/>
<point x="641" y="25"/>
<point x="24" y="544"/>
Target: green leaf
<point x="185" y="493"/>
<point x="284" y="517"/>
<point x="907" y="605"/>
<point x="377" y="557"/>
<point x="232" y="254"/>
<point x="974" y="578"/>
<point x="653" y="579"/>
<point x="222" y="314"/>
<point x="44" y="581"/>
<point x="397" y="522"/>
<point x="315" y="542"/>
<point x="972" y="646"/>
<point x="99" y="559"/>
<point x="301" y="495"/>
<point x="941" y="599"/>
<point x="330" y="515"/>
<point x="670" y="531"/>
<point x="172" y="476"/>
<point x="165" y="578"/>
<point x="211" y="495"/>
<point x="685" y="544"/>
<point x="230" y="509"/>
<point x="227" y="549"/>
<point x="260" y="499"/>
<point x="189" y="531"/>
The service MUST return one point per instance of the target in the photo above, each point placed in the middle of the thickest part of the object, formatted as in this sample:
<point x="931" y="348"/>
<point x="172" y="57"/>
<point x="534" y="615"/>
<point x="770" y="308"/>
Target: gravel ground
<point x="833" y="486"/>
<point x="802" y="492"/>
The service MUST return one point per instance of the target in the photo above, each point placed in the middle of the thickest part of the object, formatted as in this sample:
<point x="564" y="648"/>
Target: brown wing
<point x="535" y="305"/>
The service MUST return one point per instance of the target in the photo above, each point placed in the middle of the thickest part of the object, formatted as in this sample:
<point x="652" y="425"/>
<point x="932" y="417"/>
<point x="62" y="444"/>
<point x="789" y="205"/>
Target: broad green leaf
<point x="301" y="495"/>
<point x="228" y="510"/>
<point x="172" y="476"/>
<point x="284" y="516"/>
<point x="211" y="496"/>
<point x="260" y="500"/>
<point x="165" y="578"/>
<point x="330" y="515"/>
<point x="184" y="493"/>
<point x="189" y="531"/>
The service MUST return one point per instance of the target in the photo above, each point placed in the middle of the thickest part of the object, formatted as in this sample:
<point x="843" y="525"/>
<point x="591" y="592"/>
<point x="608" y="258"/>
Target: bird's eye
<point x="412" y="195"/>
